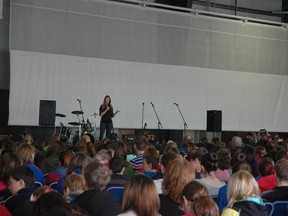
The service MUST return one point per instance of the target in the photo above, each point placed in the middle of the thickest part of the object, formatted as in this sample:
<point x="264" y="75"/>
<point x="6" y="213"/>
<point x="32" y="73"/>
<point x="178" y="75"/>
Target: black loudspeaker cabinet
<point x="47" y="112"/>
<point x="214" y="120"/>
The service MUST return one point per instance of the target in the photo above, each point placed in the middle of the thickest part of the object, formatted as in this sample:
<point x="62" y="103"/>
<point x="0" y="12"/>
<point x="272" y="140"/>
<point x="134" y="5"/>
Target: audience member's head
<point x="141" y="143"/>
<point x="103" y="156"/>
<point x="65" y="158"/>
<point x="28" y="139"/>
<point x="204" y="206"/>
<point x="20" y="177"/>
<point x="8" y="162"/>
<point x="236" y="142"/>
<point x="150" y="160"/>
<point x="117" y="165"/>
<point x="281" y="171"/>
<point x="177" y="174"/>
<point x="77" y="163"/>
<point x="209" y="162"/>
<point x="241" y="185"/>
<point x="140" y="196"/>
<point x="97" y="176"/>
<point x="224" y="159"/>
<point x="26" y="153"/>
<point x="250" y="153"/>
<point x="266" y="167"/>
<point x="165" y="160"/>
<point x="73" y="184"/>
<point x="192" y="191"/>
<point x="241" y="165"/>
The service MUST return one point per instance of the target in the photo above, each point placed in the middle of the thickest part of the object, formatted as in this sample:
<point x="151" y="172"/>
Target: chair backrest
<point x="117" y="192"/>
<point x="53" y="185"/>
<point x="270" y="208"/>
<point x="37" y="185"/>
<point x="280" y="208"/>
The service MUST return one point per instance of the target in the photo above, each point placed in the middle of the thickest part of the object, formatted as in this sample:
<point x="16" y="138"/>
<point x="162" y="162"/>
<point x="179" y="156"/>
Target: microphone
<point x="151" y="103"/>
<point x="143" y="103"/>
<point x="79" y="100"/>
<point x="176" y="104"/>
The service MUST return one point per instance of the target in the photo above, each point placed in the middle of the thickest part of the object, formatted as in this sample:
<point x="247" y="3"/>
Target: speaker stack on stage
<point x="214" y="120"/>
<point x="47" y="112"/>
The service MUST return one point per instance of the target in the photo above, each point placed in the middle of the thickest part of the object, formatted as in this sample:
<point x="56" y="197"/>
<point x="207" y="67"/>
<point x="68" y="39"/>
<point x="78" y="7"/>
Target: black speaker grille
<point x="47" y="112"/>
<point x="214" y="120"/>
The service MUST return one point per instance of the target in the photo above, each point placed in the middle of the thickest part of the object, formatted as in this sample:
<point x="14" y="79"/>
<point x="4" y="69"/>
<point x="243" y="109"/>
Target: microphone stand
<point x="143" y="126"/>
<point x="83" y="121"/>
<point x="185" y="125"/>
<point x="159" y="123"/>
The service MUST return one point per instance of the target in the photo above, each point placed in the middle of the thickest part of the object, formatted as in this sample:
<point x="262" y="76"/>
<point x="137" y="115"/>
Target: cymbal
<point x="60" y="115"/>
<point x="94" y="114"/>
<point x="74" y="123"/>
<point x="77" y="112"/>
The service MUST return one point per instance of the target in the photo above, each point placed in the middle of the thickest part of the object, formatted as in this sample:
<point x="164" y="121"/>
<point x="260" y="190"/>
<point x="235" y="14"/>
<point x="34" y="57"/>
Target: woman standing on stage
<point x="106" y="113"/>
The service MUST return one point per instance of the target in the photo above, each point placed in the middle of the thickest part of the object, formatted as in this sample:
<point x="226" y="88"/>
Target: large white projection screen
<point x="87" y="50"/>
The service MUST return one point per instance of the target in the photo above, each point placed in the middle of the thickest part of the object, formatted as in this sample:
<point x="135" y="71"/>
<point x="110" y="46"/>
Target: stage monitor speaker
<point x="214" y="120"/>
<point x="47" y="112"/>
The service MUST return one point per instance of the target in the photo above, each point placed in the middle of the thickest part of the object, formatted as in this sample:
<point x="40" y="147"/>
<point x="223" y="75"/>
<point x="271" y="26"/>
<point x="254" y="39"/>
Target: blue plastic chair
<point x="117" y="192"/>
<point x="280" y="208"/>
<point x="53" y="186"/>
<point x="270" y="208"/>
<point x="37" y="185"/>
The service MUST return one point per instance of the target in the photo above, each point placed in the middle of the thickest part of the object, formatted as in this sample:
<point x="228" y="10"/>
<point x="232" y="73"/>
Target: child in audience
<point x="203" y="206"/>
<point x="95" y="200"/>
<point x="73" y="185"/>
<point x="26" y="154"/>
<point x="267" y="180"/>
<point x="21" y="184"/>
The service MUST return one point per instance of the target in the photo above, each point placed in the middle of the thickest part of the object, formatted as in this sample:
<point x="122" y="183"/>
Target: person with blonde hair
<point x="72" y="186"/>
<point x="103" y="156"/>
<point x="177" y="174"/>
<point x="244" y="196"/>
<point x="140" y="197"/>
<point x="26" y="154"/>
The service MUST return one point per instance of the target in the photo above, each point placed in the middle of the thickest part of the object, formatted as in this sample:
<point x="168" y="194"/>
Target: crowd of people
<point x="138" y="178"/>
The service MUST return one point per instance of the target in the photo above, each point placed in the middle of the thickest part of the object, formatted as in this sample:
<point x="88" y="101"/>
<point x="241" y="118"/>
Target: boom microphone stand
<point x="185" y="125"/>
<point x="159" y="123"/>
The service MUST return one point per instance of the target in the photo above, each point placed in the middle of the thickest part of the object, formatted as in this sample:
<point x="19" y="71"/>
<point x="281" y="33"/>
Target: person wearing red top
<point x="267" y="180"/>
<point x="4" y="211"/>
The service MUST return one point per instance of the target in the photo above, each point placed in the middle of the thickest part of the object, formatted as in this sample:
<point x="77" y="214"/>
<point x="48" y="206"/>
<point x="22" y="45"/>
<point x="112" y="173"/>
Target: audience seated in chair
<point x="177" y="174"/>
<point x="73" y="186"/>
<point x="196" y="200"/>
<point x="141" y="143"/>
<point x="281" y="191"/>
<point x="26" y="154"/>
<point x="209" y="162"/>
<point x="95" y="200"/>
<point x="151" y="164"/>
<point x="244" y="196"/>
<point x="64" y="159"/>
<point x="267" y="179"/>
<point x="21" y="184"/>
<point x="140" y="197"/>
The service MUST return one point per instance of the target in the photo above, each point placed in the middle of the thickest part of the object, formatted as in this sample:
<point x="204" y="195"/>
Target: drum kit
<point x="72" y="133"/>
